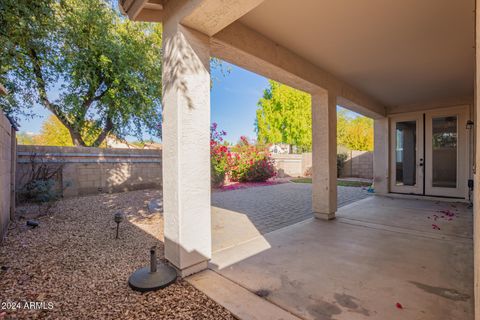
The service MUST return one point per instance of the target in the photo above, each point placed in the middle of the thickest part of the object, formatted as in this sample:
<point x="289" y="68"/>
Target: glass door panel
<point x="407" y="154"/>
<point x="445" y="151"/>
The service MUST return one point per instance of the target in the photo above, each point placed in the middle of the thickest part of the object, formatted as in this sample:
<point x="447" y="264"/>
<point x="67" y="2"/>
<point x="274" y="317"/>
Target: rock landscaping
<point x="71" y="266"/>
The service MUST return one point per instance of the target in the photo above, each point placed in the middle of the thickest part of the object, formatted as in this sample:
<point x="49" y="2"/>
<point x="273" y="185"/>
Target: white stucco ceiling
<point x="399" y="52"/>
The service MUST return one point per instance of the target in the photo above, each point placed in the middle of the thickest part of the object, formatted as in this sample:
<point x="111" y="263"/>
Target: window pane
<point x="444" y="153"/>
<point x="406" y="153"/>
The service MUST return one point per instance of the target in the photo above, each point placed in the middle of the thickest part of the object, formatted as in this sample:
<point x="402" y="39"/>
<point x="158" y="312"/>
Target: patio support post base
<point x="324" y="154"/>
<point x="192" y="269"/>
<point x="324" y="216"/>
<point x="186" y="147"/>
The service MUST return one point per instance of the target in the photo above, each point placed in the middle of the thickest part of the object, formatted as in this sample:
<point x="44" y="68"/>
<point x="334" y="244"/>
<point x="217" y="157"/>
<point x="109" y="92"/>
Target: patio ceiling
<point x="399" y="52"/>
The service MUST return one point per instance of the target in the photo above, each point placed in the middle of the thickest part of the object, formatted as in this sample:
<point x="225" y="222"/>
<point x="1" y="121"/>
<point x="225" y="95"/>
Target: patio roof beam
<point x="247" y="48"/>
<point x="143" y="10"/>
<point x="211" y="16"/>
<point x="135" y="8"/>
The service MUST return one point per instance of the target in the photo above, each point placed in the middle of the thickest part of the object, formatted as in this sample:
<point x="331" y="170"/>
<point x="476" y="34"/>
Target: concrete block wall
<point x="358" y="164"/>
<point x="288" y="165"/>
<point x="95" y="170"/>
<point x="7" y="142"/>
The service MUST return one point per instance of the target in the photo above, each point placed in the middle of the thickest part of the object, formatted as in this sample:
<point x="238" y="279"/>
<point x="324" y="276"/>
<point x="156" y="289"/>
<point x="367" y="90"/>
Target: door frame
<point x="466" y="164"/>
<point x="418" y="187"/>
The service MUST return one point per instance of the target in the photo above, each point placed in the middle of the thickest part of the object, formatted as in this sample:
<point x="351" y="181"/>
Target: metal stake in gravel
<point x="118" y="217"/>
<point x="157" y="276"/>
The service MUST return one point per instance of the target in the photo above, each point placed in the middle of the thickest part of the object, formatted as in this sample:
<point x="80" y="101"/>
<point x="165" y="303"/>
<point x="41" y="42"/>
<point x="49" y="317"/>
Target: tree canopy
<point x="91" y="68"/>
<point x="284" y="116"/>
<point x="54" y="133"/>
<point x="355" y="133"/>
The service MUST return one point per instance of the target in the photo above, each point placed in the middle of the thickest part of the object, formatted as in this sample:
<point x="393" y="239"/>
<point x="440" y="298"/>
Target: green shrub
<point x="341" y="158"/>
<point x="219" y="157"/>
<point x="250" y="163"/>
<point x="40" y="191"/>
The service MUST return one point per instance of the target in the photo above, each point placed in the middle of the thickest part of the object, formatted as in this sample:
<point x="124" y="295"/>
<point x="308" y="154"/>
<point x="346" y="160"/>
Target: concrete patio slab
<point x="361" y="270"/>
<point x="242" y="303"/>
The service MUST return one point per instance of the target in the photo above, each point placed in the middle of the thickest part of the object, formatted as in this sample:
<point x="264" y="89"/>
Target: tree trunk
<point x="76" y="138"/>
<point x="105" y="132"/>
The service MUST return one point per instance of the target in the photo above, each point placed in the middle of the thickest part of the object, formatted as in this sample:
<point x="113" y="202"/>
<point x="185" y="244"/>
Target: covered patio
<point x="410" y="66"/>
<point x="380" y="251"/>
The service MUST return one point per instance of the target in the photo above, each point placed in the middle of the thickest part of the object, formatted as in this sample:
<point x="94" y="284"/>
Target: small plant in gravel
<point x="40" y="183"/>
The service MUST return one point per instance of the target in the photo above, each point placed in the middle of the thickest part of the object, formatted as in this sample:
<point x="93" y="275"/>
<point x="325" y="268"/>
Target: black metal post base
<point x="144" y="280"/>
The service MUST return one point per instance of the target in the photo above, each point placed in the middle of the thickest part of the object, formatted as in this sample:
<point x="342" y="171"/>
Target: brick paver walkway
<point x="274" y="207"/>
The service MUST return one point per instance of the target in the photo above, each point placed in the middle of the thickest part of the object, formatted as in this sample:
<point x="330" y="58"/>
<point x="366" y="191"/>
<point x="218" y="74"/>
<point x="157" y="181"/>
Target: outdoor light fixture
<point x="157" y="276"/>
<point x="470" y="124"/>
<point x="118" y="217"/>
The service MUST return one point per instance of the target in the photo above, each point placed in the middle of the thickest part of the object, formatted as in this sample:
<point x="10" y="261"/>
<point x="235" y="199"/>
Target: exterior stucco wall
<point x="95" y="170"/>
<point x="6" y="167"/>
<point x="476" y="198"/>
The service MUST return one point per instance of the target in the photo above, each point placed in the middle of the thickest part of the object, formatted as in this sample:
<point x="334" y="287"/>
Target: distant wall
<point x="7" y="169"/>
<point x="292" y="165"/>
<point x="95" y="170"/>
<point x="358" y="164"/>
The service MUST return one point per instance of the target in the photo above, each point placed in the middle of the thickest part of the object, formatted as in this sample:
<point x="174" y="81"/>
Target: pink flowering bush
<point x="245" y="163"/>
<point x="219" y="156"/>
<point x="250" y="163"/>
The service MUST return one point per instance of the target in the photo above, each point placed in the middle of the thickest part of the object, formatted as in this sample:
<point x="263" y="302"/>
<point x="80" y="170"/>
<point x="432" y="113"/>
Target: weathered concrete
<point x="324" y="154"/>
<point x="235" y="298"/>
<point x="186" y="132"/>
<point x="378" y="252"/>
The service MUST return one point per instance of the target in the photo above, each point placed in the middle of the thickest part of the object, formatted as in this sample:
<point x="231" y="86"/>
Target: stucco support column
<point x="476" y="193"/>
<point x="324" y="154"/>
<point x="186" y="148"/>
<point x="380" y="156"/>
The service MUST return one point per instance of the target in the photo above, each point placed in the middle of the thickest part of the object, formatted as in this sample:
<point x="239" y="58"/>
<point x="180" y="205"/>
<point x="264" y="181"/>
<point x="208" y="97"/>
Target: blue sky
<point x="234" y="98"/>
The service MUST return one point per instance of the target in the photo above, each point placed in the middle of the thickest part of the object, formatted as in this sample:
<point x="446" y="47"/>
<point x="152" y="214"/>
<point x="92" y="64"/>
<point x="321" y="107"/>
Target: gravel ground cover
<point x="73" y="265"/>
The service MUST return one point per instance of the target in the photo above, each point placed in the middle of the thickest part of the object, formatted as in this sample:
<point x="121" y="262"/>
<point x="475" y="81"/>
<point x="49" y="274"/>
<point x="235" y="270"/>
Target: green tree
<point x="284" y="116"/>
<point x="54" y="133"/>
<point x="106" y="69"/>
<point x="355" y="133"/>
<point x="24" y="138"/>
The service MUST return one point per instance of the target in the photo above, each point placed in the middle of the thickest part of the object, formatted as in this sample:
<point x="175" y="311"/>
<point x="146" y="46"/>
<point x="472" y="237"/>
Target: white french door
<point x="429" y="153"/>
<point x="406" y="160"/>
<point x="446" y="154"/>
